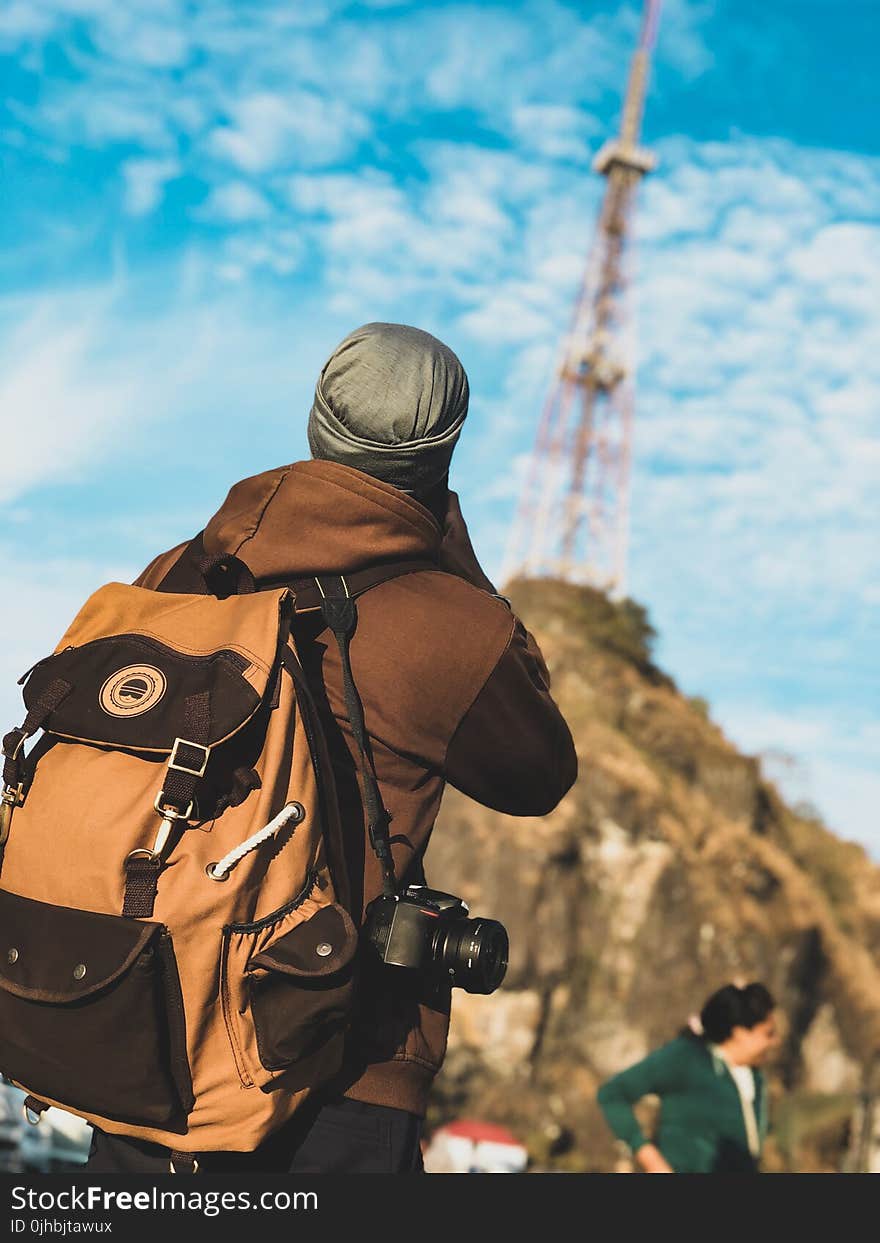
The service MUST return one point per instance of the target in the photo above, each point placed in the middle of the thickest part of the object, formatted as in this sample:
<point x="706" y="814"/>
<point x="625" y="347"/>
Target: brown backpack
<point x="177" y="955"/>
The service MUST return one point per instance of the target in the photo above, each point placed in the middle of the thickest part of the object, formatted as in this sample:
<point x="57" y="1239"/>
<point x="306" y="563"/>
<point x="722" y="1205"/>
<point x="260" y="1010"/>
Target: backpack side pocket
<point x="288" y="992"/>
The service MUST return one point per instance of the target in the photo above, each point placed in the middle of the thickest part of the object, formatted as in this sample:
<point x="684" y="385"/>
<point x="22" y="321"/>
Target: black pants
<point x="333" y="1137"/>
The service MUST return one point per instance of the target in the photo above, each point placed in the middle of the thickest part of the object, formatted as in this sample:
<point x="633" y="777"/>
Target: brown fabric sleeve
<point x="512" y="750"/>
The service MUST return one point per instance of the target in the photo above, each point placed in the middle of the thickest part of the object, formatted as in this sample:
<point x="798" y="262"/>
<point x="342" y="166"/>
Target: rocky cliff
<point x="671" y="868"/>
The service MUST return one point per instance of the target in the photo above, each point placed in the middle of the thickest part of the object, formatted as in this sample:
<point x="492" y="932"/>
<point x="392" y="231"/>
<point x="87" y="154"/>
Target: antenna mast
<point x="573" y="517"/>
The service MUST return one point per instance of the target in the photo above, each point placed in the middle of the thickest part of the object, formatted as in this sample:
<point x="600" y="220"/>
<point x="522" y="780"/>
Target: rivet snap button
<point x="324" y="949"/>
<point x="79" y="971"/>
<point x="12" y="956"/>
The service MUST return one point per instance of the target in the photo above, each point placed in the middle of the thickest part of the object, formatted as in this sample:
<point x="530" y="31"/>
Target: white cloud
<point x="681" y="41"/>
<point x="54" y="412"/>
<point x="86" y="374"/>
<point x="272" y="130"/>
<point x="761" y="362"/>
<point x="279" y="252"/>
<point x="235" y="202"/>
<point x="138" y="34"/>
<point x="555" y="130"/>
<point x="83" y="114"/>
<point x="512" y="176"/>
<point x="145" y="182"/>
<point x="281" y="86"/>
<point x="847" y="252"/>
<point x="439" y="236"/>
<point x="21" y="21"/>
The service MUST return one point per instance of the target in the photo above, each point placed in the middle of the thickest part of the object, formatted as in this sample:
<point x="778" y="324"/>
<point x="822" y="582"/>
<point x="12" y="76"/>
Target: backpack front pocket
<point x="91" y="1013"/>
<point x="288" y="991"/>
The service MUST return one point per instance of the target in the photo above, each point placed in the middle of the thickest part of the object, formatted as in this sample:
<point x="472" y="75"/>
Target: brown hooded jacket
<point x="454" y="689"/>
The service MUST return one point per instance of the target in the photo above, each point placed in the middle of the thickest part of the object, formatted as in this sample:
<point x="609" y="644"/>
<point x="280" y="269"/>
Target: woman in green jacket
<point x="713" y="1104"/>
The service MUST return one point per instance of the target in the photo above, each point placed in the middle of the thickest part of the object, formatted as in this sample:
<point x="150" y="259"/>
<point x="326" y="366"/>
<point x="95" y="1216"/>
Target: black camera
<point x="427" y="930"/>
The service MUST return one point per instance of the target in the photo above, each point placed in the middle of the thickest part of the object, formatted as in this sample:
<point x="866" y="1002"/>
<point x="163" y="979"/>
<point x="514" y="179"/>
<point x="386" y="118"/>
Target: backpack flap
<point x="133" y="657"/>
<point x="59" y="956"/>
<point x="73" y="980"/>
<point x="322" y="946"/>
<point x="301" y="989"/>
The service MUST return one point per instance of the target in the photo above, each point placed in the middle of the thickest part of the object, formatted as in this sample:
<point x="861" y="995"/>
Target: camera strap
<point x="339" y="611"/>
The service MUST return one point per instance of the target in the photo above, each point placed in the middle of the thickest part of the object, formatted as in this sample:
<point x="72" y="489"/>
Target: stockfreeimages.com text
<point x="209" y="1203"/>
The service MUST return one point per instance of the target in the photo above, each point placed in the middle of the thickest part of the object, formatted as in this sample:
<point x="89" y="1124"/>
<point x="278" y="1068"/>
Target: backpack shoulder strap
<point x="308" y="596"/>
<point x="197" y="573"/>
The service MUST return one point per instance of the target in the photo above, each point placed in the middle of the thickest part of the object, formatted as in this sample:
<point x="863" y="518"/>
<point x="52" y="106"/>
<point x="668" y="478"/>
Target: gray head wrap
<point x="390" y="401"/>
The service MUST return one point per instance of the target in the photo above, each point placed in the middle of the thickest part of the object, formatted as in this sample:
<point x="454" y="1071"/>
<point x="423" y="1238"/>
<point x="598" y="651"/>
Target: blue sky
<point x="199" y="198"/>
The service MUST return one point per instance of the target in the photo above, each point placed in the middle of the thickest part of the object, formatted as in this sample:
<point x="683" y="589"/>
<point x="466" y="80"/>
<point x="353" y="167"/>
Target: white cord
<point x="290" y="812"/>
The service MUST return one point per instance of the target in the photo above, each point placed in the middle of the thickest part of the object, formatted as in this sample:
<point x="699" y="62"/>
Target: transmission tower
<point x="573" y="516"/>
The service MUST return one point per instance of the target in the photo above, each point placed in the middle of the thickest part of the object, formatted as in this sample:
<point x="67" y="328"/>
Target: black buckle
<point x="176" y="766"/>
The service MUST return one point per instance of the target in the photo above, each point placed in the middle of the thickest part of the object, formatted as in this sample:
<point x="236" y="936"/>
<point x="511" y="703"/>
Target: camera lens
<point x="474" y="952"/>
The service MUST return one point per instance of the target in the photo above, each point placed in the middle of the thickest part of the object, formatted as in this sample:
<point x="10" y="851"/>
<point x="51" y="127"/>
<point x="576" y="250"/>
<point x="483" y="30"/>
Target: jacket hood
<point x="319" y="517"/>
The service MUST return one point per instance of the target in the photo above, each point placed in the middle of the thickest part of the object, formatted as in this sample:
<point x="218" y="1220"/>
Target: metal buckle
<point x="182" y="768"/>
<point x="140" y="852"/>
<point x="10" y="798"/>
<point x="13" y="795"/>
<point x="170" y="812"/>
<point x="341" y="578"/>
<point x="33" y="1117"/>
<point x="162" y="834"/>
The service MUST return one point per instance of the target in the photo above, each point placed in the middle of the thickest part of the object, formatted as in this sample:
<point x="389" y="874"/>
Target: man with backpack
<point x="419" y="674"/>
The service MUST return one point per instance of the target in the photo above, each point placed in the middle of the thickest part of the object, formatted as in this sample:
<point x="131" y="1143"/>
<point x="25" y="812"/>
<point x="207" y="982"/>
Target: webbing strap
<point x="47" y="702"/>
<point x="187" y="761"/>
<point x="188" y="757"/>
<point x="141" y="883"/>
<point x="182" y="1162"/>
<point x="308" y="597"/>
<point x="340" y="613"/>
<point x="17" y="769"/>
<point x="196" y="572"/>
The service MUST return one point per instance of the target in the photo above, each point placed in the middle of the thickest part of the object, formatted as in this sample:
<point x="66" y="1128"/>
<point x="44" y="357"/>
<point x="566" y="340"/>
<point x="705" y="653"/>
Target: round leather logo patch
<point x="133" y="690"/>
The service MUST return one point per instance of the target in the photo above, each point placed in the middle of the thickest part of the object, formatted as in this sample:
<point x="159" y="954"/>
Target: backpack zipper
<point x="35" y="666"/>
